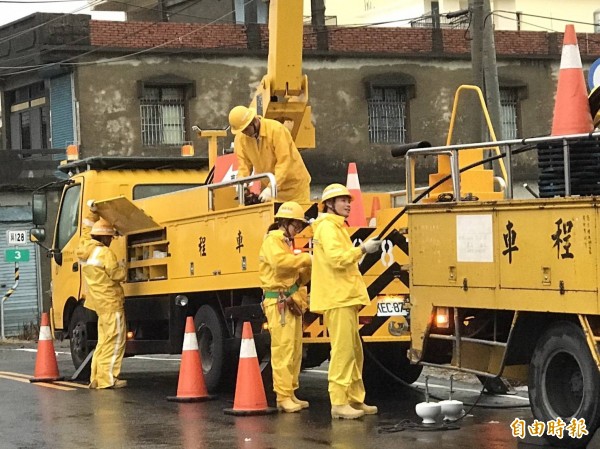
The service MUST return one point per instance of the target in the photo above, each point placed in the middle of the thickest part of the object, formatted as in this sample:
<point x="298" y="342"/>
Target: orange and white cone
<point x="375" y="206"/>
<point x="191" y="386"/>
<point x="357" y="212"/>
<point x="250" y="398"/>
<point x="46" y="367"/>
<point x="571" y="108"/>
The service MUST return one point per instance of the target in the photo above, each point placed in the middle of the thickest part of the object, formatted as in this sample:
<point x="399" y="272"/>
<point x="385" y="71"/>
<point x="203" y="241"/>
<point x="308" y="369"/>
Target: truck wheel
<point x="564" y="380"/>
<point x="78" y="340"/>
<point x="393" y="358"/>
<point x="211" y="343"/>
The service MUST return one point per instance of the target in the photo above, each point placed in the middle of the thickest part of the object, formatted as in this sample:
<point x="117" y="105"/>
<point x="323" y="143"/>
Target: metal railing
<point x="240" y="185"/>
<point x="441" y="21"/>
<point x="506" y="145"/>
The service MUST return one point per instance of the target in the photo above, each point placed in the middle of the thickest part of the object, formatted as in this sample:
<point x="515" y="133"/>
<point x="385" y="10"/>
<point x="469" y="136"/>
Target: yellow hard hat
<point x="240" y="117"/>
<point x="335" y="190"/>
<point x="103" y="227"/>
<point x="292" y="210"/>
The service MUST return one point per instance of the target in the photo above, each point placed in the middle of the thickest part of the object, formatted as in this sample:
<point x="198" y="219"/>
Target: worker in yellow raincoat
<point x="338" y="292"/>
<point x="102" y="275"/>
<point x="267" y="147"/>
<point x="283" y="276"/>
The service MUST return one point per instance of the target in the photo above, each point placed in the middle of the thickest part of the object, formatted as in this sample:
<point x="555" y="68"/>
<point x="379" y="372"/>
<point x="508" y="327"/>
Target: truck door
<point x="66" y="275"/>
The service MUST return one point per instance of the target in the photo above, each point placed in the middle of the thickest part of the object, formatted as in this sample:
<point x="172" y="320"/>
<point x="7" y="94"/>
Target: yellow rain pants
<point x="108" y="356"/>
<point x="346" y="361"/>
<point x="286" y="351"/>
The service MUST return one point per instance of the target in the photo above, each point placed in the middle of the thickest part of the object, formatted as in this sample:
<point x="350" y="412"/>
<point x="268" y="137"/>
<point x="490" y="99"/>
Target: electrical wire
<point x="28" y="69"/>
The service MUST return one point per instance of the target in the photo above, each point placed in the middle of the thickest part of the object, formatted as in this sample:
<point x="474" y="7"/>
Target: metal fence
<point x="163" y="123"/>
<point x="387" y="121"/>
<point x="441" y="21"/>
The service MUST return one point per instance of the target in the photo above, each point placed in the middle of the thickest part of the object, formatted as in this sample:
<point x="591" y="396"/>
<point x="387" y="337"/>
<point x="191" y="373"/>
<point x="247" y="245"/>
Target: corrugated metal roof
<point x="12" y="214"/>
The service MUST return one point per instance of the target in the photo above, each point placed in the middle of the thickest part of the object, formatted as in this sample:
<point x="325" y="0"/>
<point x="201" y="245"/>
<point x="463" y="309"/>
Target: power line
<point x="28" y="69"/>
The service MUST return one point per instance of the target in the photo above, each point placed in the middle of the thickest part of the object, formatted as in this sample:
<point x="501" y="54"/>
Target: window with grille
<point x="162" y="113"/>
<point x="387" y="114"/>
<point x="509" y="109"/>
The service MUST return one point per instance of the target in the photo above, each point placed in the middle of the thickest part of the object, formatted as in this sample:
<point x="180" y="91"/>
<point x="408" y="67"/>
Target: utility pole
<point x="317" y="11"/>
<point x="490" y="70"/>
<point x="483" y="62"/>
<point x="476" y="7"/>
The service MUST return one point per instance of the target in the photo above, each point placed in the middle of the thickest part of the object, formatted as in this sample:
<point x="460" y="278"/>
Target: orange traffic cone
<point x="46" y="367"/>
<point x="191" y="386"/>
<point x="375" y="206"/>
<point x="357" y="213"/>
<point x="571" y="109"/>
<point x="250" y="398"/>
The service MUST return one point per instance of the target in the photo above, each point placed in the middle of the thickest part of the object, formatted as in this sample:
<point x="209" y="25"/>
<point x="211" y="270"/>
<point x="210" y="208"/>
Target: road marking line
<point x="25" y="379"/>
<point x="72" y="384"/>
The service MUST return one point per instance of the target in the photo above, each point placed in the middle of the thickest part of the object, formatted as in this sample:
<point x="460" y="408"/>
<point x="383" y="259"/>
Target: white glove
<point x="371" y="246"/>
<point x="91" y="204"/>
<point x="265" y="195"/>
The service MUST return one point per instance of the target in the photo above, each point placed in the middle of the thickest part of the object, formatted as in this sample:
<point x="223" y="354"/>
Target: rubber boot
<point x="119" y="384"/>
<point x="368" y="409"/>
<point x="300" y="402"/>
<point x="287" y="405"/>
<point x="345" y="412"/>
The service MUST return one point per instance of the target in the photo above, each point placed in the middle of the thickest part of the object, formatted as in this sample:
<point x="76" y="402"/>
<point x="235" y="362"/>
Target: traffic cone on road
<point x="250" y="398"/>
<point x="571" y="108"/>
<point x="375" y="206"/>
<point x="357" y="212"/>
<point x="191" y="386"/>
<point x="46" y="367"/>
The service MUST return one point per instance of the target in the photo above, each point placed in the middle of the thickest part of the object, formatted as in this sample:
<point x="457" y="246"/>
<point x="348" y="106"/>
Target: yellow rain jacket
<point x="279" y="268"/>
<point x="274" y="152"/>
<point x="336" y="279"/>
<point x="101" y="272"/>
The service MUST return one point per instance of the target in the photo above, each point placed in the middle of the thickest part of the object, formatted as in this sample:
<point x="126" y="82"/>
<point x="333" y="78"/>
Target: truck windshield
<point x="69" y="216"/>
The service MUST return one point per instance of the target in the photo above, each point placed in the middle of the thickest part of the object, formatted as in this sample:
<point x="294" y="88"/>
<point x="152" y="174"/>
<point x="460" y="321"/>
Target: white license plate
<point x="391" y="308"/>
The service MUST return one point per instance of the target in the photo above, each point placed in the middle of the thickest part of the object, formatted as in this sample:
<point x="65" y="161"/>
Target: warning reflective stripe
<point x="190" y="342"/>
<point x="570" y="58"/>
<point x="93" y="260"/>
<point x="247" y="350"/>
<point x="45" y="333"/>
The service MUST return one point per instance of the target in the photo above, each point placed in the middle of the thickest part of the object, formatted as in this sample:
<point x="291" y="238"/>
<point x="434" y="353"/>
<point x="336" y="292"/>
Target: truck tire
<point x="79" y="340"/>
<point x="564" y="381"/>
<point x="211" y="344"/>
<point x="393" y="358"/>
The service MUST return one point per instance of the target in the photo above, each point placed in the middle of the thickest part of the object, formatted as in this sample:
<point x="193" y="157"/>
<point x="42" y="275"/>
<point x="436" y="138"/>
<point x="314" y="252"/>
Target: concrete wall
<point x="110" y="116"/>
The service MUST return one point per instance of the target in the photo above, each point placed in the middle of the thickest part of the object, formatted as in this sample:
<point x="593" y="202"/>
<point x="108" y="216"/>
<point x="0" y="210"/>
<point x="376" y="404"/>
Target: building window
<point x="162" y="112"/>
<point x="509" y="113"/>
<point x="597" y="21"/>
<point x="25" y="131"/>
<point x="387" y="114"/>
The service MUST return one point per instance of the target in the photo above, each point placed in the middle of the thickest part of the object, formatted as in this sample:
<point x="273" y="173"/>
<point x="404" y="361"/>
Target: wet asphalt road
<point x="139" y="416"/>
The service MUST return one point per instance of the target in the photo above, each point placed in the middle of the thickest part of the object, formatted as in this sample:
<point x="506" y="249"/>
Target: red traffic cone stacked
<point x="46" y="367"/>
<point x="191" y="386"/>
<point x="375" y="206"/>
<point x="571" y="109"/>
<point x="250" y="398"/>
<point x="357" y="212"/>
